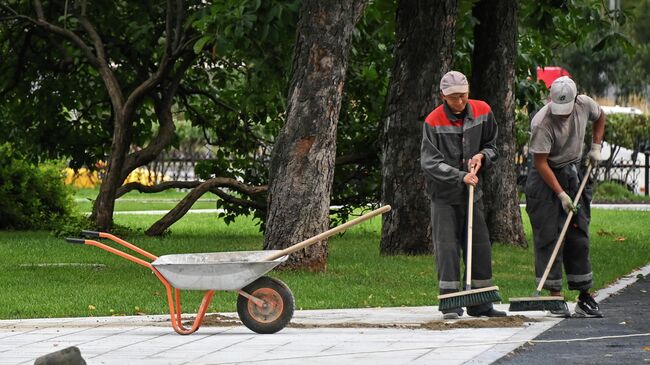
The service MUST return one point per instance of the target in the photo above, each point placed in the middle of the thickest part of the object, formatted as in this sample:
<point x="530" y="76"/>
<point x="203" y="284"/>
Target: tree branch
<point x="178" y="28"/>
<point x="217" y="182"/>
<point x="166" y="61"/>
<point x="238" y="201"/>
<point x="167" y="128"/>
<point x="210" y="185"/>
<point x="71" y="36"/>
<point x="38" y="7"/>
<point x="97" y="40"/>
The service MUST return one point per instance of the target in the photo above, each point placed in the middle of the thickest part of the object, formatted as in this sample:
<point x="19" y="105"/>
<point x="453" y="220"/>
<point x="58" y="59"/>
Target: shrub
<point x="612" y="192"/>
<point x="31" y="196"/>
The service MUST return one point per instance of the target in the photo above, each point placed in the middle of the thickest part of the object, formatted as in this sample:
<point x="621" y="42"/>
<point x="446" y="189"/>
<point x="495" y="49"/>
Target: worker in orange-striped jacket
<point x="458" y="136"/>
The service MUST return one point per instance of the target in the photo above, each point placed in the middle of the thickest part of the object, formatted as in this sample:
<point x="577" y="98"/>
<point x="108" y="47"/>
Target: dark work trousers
<point x="449" y="224"/>
<point x="547" y="218"/>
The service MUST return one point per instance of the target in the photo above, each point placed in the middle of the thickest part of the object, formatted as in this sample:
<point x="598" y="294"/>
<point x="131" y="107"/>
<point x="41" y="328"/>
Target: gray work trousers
<point x="547" y="217"/>
<point x="449" y="223"/>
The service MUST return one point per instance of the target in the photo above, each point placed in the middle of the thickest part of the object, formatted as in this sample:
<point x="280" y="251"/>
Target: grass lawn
<point x="134" y="200"/>
<point x="95" y="283"/>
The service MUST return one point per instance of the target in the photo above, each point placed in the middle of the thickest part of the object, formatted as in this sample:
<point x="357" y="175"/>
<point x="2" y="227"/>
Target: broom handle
<point x="328" y="233"/>
<point x="470" y="224"/>
<point x="558" y="244"/>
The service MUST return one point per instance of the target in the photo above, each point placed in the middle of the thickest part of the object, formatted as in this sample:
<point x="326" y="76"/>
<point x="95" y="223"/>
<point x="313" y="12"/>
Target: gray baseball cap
<point x="454" y="82"/>
<point x="563" y="95"/>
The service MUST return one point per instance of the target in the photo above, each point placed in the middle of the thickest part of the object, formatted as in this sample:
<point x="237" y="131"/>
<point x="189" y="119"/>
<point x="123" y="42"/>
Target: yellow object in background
<point x="84" y="178"/>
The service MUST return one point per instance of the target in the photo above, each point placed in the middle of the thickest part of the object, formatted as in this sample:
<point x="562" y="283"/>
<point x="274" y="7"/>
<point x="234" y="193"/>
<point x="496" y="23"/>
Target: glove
<point x="594" y="154"/>
<point x="567" y="203"/>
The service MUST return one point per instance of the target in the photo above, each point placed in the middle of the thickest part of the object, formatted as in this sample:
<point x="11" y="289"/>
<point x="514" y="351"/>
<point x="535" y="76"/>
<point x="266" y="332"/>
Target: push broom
<point x="549" y="303"/>
<point x="469" y="297"/>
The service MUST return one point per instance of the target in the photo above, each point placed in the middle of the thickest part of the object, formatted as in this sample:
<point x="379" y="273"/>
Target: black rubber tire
<point x="269" y="319"/>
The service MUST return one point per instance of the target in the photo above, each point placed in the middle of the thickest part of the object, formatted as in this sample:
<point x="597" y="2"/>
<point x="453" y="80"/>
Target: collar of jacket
<point x="468" y="113"/>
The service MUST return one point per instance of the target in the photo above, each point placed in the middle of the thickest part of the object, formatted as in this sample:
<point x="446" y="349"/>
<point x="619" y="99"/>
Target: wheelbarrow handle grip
<point x="93" y="234"/>
<point x="76" y="240"/>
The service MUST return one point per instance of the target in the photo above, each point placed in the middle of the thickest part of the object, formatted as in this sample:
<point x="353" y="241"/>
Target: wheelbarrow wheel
<point x="277" y="310"/>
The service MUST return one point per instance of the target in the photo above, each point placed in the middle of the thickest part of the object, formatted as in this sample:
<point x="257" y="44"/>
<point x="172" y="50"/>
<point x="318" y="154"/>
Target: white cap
<point x="563" y="95"/>
<point x="454" y="82"/>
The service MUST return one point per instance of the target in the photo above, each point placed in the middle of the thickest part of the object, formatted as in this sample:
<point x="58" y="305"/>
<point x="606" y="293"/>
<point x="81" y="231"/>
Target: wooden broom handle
<point x="558" y="244"/>
<point x="328" y="233"/>
<point x="470" y="225"/>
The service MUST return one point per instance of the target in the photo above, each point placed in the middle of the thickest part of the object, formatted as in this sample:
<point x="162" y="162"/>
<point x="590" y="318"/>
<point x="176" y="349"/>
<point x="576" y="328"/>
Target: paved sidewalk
<point x="151" y="340"/>
<point x="366" y="336"/>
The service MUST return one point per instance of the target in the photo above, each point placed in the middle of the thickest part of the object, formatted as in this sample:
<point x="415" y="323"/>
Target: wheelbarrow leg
<point x="175" y="308"/>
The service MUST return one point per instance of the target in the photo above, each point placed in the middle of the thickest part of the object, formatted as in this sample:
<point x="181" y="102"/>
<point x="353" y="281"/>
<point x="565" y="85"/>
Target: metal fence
<point x="632" y="175"/>
<point x="177" y="166"/>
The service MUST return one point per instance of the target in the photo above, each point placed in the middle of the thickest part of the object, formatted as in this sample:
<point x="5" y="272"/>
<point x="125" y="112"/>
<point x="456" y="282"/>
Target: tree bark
<point x="493" y="80"/>
<point x="425" y="33"/>
<point x="302" y="162"/>
<point x="105" y="202"/>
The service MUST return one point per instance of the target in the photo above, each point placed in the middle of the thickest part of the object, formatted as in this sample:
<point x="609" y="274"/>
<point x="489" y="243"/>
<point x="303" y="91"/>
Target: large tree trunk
<point x="493" y="80"/>
<point x="302" y="162"/>
<point x="425" y="33"/>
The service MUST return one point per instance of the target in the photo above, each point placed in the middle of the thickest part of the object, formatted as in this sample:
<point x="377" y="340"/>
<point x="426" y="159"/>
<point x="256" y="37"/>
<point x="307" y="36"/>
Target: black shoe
<point x="587" y="307"/>
<point x="560" y="313"/>
<point x="488" y="313"/>
<point x="454" y="313"/>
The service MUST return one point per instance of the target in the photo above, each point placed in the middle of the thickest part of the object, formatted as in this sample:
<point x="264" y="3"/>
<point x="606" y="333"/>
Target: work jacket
<point x="449" y="143"/>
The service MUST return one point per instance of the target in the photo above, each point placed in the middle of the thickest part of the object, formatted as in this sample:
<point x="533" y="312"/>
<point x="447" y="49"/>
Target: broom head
<point x="552" y="303"/>
<point x="468" y="298"/>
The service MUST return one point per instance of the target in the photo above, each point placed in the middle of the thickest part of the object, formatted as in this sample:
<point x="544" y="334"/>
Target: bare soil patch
<point x="218" y="320"/>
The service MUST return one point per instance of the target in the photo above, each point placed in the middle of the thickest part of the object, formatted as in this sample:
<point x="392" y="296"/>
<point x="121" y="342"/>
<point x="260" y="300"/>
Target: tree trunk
<point x="105" y="203"/>
<point x="424" y="42"/>
<point x="493" y="80"/>
<point x="302" y="162"/>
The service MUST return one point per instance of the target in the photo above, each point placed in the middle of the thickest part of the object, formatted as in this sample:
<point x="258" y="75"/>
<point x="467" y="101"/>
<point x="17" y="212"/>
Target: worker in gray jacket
<point x="556" y="143"/>
<point x="459" y="136"/>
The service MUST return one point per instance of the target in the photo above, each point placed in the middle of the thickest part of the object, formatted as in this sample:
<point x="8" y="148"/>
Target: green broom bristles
<point x="551" y="303"/>
<point x="468" y="298"/>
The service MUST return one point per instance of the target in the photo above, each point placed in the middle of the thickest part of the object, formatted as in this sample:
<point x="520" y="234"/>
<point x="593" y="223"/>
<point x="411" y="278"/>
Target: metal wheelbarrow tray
<point x="264" y="304"/>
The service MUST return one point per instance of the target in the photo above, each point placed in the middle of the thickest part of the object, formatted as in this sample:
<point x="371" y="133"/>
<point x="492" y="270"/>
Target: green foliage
<point x="627" y="130"/>
<point x="53" y="103"/>
<point x="31" y="197"/>
<point x="547" y="27"/>
<point x="612" y="54"/>
<point x="246" y="49"/>
<point x="612" y="192"/>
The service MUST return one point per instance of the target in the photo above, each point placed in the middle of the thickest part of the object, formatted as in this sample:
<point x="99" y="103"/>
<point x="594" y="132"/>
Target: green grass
<point x="133" y="200"/>
<point x="357" y="275"/>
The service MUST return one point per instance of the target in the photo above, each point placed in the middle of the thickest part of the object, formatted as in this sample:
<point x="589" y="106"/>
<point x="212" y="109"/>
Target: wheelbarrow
<point x="264" y="304"/>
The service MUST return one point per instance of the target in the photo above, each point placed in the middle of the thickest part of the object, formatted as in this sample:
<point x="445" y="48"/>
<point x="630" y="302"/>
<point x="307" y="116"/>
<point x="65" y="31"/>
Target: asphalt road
<point x="625" y="313"/>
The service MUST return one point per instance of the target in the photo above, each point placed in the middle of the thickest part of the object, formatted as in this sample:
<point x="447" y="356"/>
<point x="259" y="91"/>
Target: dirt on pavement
<point x="218" y="320"/>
